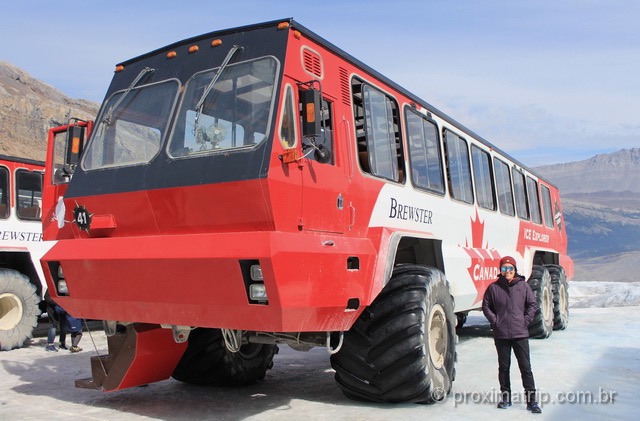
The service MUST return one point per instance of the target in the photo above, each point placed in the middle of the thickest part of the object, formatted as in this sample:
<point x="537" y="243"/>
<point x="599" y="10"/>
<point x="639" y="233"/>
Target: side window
<point x="424" y="152"/>
<point x="378" y="132"/>
<point x="458" y="170"/>
<point x="534" y="202"/>
<point x="546" y="206"/>
<point x="29" y="195"/>
<point x="4" y="193"/>
<point x="505" y="192"/>
<point x="485" y="191"/>
<point x="311" y="147"/>
<point x="522" y="205"/>
<point x="59" y="150"/>
<point x="326" y="142"/>
<point x="288" y="125"/>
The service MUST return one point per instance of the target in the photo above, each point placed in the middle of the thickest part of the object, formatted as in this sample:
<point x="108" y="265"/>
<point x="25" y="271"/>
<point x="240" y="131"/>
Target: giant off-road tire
<point x="560" y="288"/>
<point x="402" y="348"/>
<point x="541" y="326"/>
<point x="19" y="309"/>
<point x="208" y="362"/>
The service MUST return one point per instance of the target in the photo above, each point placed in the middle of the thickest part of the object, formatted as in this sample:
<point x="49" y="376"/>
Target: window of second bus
<point x="29" y="195"/>
<point x="4" y="193"/>
<point x="424" y="153"/>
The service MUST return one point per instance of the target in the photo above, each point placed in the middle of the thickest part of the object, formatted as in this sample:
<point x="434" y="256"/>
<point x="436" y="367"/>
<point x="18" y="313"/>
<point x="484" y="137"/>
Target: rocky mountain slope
<point x="614" y="172"/>
<point x="601" y="197"/>
<point x="28" y="108"/>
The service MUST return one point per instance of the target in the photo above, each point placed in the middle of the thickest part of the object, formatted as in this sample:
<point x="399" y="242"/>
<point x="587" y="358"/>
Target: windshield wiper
<point x="200" y="103"/>
<point x="143" y="72"/>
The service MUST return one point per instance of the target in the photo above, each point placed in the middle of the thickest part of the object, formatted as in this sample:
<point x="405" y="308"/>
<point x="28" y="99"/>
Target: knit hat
<point x="508" y="259"/>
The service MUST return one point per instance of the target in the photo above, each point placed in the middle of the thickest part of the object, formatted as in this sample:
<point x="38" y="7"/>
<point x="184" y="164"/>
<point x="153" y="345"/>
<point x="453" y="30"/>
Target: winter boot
<point x="532" y="405"/>
<point x="534" y="408"/>
<point x="505" y="400"/>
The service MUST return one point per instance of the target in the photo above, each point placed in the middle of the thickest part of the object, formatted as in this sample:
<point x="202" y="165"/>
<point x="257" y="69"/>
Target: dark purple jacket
<point x="509" y="307"/>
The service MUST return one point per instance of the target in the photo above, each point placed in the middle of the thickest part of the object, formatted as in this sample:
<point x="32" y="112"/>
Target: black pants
<point x="521" y="349"/>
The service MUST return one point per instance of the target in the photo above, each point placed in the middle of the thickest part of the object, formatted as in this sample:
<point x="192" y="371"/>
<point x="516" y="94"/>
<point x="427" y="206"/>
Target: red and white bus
<point x="259" y="186"/>
<point x="22" y="286"/>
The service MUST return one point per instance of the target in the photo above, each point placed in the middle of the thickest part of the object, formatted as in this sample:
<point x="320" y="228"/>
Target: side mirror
<point x="74" y="145"/>
<point x="322" y="154"/>
<point x="311" y="113"/>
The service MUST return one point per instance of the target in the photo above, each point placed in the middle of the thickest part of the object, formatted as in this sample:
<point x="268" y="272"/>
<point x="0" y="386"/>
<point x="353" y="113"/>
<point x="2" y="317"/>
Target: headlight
<point x="62" y="287"/>
<point x="257" y="292"/>
<point x="256" y="273"/>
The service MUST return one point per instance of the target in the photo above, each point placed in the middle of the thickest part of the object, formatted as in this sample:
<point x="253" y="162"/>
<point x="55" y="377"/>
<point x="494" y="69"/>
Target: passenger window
<point x="534" y="202"/>
<point x="546" y="206"/>
<point x="522" y="206"/>
<point x="458" y="169"/>
<point x="424" y="153"/>
<point x="483" y="179"/>
<point x="377" y="132"/>
<point x="505" y="191"/>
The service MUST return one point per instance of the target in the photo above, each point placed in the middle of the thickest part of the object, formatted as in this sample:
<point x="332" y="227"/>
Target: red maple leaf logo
<point x="484" y="260"/>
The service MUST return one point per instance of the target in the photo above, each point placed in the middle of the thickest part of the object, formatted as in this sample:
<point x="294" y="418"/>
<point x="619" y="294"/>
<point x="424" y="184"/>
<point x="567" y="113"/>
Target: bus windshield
<point x="132" y="125"/>
<point x="235" y="112"/>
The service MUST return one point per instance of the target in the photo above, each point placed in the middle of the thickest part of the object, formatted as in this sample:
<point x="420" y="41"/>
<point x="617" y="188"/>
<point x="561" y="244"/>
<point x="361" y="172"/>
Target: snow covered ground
<point x="591" y="371"/>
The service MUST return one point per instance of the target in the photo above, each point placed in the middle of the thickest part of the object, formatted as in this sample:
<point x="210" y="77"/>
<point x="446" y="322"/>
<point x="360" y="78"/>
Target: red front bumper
<point x="196" y="280"/>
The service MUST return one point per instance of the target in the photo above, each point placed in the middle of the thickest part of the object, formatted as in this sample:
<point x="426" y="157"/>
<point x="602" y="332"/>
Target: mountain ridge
<point x="28" y="108"/>
<point x="617" y="172"/>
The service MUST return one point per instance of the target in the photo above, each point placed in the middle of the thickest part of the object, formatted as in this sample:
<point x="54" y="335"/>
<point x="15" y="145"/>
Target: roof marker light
<point x="119" y="68"/>
<point x="171" y="54"/>
<point x="193" y="49"/>
<point x="283" y="25"/>
<point x="216" y="43"/>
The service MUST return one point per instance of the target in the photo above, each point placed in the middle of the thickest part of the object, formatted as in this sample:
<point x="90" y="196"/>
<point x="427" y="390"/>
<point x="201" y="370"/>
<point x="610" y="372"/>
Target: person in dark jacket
<point x="509" y="305"/>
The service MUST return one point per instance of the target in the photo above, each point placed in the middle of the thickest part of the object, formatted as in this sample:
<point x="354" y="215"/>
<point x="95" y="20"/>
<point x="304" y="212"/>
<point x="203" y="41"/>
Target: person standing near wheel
<point x="509" y="305"/>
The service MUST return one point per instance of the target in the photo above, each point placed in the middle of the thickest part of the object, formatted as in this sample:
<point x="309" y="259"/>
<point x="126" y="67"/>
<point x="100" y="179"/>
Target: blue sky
<point x="547" y="81"/>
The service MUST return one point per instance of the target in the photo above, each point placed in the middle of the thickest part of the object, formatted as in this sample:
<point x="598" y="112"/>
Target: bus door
<point x="64" y="147"/>
<point x="325" y="202"/>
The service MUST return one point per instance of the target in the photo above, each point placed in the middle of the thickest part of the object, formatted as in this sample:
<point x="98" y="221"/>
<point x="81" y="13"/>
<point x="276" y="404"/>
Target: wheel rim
<point x="563" y="300"/>
<point x="547" y="307"/>
<point x="10" y="311"/>
<point x="250" y="351"/>
<point x="437" y="336"/>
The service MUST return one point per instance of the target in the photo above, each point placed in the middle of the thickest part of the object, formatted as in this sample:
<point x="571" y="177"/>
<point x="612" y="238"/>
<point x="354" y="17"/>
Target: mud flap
<point x="140" y="355"/>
